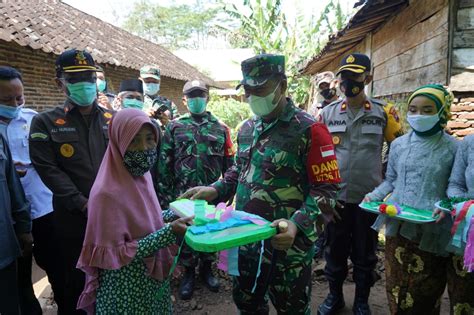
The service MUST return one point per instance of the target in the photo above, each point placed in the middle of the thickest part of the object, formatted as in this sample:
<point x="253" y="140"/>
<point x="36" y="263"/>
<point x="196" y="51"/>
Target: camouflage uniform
<point x="195" y="151"/>
<point x="148" y="103"/>
<point x="153" y="71"/>
<point x="282" y="169"/>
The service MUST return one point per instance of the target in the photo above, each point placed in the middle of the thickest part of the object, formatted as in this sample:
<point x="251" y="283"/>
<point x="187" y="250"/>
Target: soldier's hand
<point x="285" y="238"/>
<point x="200" y="192"/>
<point x="328" y="209"/>
<point x="117" y="104"/>
<point x="164" y="118"/>
<point x="104" y="101"/>
<point x="180" y="226"/>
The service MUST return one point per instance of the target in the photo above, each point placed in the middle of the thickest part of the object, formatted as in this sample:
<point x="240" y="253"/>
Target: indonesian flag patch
<point x="322" y="164"/>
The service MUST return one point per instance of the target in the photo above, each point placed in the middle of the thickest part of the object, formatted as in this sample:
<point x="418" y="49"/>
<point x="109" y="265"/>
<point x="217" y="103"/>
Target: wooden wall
<point x="462" y="63"/>
<point x="412" y="48"/>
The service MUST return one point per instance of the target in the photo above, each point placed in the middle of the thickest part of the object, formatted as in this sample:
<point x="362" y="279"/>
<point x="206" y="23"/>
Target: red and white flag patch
<point x="327" y="150"/>
<point x="322" y="164"/>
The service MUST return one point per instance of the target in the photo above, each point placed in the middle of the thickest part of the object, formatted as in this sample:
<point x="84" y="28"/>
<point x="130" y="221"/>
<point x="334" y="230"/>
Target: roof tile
<point x="53" y="26"/>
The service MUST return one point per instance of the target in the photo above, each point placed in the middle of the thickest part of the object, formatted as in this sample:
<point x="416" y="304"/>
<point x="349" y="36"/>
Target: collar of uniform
<point x="70" y="107"/>
<point x="20" y="117"/>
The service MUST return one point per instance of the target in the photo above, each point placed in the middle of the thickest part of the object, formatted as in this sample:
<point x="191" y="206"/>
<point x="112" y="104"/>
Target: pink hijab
<point x="121" y="210"/>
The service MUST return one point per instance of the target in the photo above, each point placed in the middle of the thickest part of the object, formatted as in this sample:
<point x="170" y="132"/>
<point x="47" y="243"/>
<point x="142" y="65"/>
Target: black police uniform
<point x="66" y="148"/>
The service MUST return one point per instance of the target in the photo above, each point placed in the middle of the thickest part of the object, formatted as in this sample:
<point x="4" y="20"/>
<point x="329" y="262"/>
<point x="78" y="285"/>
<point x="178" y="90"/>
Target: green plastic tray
<point x="224" y="239"/>
<point x="229" y="238"/>
<point x="408" y="214"/>
<point x="185" y="207"/>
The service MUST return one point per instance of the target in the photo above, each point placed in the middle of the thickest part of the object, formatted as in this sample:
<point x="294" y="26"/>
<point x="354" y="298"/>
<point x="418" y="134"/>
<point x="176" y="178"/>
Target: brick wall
<point x="462" y="122"/>
<point x="37" y="68"/>
<point x="462" y="111"/>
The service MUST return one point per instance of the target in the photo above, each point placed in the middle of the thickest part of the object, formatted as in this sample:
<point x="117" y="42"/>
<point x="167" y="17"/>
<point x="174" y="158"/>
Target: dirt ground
<point x="205" y="302"/>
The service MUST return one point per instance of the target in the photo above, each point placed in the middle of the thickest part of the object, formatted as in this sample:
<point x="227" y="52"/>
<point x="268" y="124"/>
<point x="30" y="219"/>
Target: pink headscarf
<point x="121" y="210"/>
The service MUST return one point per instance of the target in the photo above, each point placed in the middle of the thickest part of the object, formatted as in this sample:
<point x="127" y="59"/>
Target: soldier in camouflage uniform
<point x="196" y="150"/>
<point x="150" y="76"/>
<point x="285" y="170"/>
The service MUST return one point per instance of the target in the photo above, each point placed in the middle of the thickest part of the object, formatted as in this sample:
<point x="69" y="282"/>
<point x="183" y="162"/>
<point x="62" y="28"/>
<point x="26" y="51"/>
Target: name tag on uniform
<point x="340" y="128"/>
<point x="370" y="129"/>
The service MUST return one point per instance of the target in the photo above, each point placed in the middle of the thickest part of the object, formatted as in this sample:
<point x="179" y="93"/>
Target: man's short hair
<point x="9" y="73"/>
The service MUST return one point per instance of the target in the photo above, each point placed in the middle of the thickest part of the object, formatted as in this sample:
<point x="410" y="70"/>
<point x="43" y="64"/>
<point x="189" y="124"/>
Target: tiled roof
<point x="53" y="26"/>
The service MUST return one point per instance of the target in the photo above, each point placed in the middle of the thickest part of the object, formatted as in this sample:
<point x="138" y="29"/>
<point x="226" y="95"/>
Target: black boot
<point x="333" y="302"/>
<point x="207" y="277"/>
<point x="361" y="302"/>
<point x="186" y="287"/>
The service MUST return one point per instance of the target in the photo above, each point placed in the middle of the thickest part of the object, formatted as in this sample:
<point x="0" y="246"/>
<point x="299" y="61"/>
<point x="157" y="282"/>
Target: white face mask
<point x="423" y="123"/>
<point x="263" y="105"/>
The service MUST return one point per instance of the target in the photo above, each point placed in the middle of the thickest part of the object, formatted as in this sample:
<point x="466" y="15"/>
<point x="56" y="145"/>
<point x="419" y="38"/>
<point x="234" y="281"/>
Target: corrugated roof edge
<point x="390" y="8"/>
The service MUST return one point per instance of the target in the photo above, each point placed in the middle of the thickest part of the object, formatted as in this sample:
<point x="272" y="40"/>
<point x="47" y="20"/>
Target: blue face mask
<point x="132" y="103"/>
<point x="10" y="112"/>
<point x="82" y="93"/>
<point x="197" y="105"/>
<point x="101" y="85"/>
<point x="151" y="88"/>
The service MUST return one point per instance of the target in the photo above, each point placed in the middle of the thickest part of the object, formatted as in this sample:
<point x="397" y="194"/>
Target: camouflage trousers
<point x="417" y="279"/>
<point x="287" y="282"/>
<point x="189" y="258"/>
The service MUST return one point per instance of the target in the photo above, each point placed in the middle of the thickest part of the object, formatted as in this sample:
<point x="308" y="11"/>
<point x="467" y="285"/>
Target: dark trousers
<point x="72" y="278"/>
<point x="46" y="251"/>
<point x="28" y="302"/>
<point x="9" y="302"/>
<point x="351" y="237"/>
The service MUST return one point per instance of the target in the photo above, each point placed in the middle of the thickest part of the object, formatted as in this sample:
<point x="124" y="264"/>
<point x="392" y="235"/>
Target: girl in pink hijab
<point x="125" y="254"/>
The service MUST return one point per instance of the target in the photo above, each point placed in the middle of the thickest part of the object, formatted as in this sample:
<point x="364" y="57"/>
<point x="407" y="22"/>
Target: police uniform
<point x="66" y="148"/>
<point x="282" y="171"/>
<point x="358" y="139"/>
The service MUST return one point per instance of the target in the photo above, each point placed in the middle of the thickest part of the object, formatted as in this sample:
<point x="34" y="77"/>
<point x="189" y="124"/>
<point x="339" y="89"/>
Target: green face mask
<point x="263" y="105"/>
<point x="197" y="105"/>
<point x="132" y="103"/>
<point x="82" y="93"/>
<point x="101" y="85"/>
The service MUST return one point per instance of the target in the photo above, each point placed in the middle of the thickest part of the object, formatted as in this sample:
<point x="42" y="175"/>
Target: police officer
<point x="285" y="171"/>
<point x="358" y="125"/>
<point x="67" y="144"/>
<point x="327" y="87"/>
<point x="154" y="103"/>
<point x="196" y="150"/>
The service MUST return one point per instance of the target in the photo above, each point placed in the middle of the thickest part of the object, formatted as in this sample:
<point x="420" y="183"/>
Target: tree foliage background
<point x="258" y="24"/>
